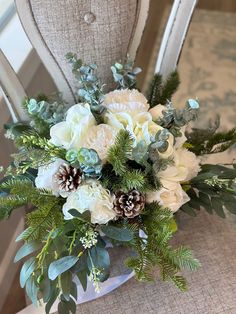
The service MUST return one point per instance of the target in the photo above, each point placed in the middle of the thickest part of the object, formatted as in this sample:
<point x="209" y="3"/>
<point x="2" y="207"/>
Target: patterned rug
<point x="207" y="69"/>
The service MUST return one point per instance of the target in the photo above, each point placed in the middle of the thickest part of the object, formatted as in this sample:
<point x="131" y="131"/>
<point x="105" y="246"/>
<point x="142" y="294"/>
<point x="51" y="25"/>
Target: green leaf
<point x="74" y="290"/>
<point x="60" y="266"/>
<point x="119" y="234"/>
<point x="63" y="308"/>
<point x="52" y="299"/>
<point x="27" y="249"/>
<point x="217" y="206"/>
<point x="32" y="290"/>
<point x="85" y="216"/>
<point x="188" y="210"/>
<point x="100" y="258"/>
<point x="66" y="282"/>
<point x="82" y="275"/>
<point x="231" y="207"/>
<point x="27" y="270"/>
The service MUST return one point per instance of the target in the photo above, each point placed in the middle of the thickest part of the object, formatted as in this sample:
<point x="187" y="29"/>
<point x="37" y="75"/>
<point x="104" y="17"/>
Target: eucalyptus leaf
<point x="27" y="249"/>
<point x="53" y="297"/>
<point x="217" y="206"/>
<point x="85" y="216"/>
<point x="74" y="293"/>
<point x="27" y="270"/>
<point x="60" y="266"/>
<point x="100" y="258"/>
<point x="188" y="210"/>
<point x="66" y="283"/>
<point x="32" y="290"/>
<point x="83" y="278"/>
<point x="119" y="234"/>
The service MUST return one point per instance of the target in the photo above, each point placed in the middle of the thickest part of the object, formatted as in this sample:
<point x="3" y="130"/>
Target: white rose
<point x="186" y="166"/>
<point x="125" y="100"/>
<point x="140" y="126"/>
<point x="69" y="134"/>
<point x="171" y="196"/>
<point x="46" y="176"/>
<point x="93" y="197"/>
<point x="100" y="138"/>
<point x="157" y="112"/>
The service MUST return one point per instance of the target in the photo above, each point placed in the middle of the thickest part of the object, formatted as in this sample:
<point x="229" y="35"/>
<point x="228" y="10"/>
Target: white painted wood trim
<point x="174" y="36"/>
<point x="12" y="90"/>
<point x="139" y="27"/>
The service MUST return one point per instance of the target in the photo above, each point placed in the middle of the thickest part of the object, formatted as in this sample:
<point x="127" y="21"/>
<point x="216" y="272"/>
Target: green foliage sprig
<point x="161" y="91"/>
<point x="35" y="151"/>
<point x="125" y="74"/>
<point x="90" y="90"/>
<point x="209" y="141"/>
<point x="155" y="250"/>
<point x="214" y="189"/>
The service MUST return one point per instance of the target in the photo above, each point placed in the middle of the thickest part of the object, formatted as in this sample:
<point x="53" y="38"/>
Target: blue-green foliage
<point x="125" y="74"/>
<point x="87" y="159"/>
<point x="90" y="90"/>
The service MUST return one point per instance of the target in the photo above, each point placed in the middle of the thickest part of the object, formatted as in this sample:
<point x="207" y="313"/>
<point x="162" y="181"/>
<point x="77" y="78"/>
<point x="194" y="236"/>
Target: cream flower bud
<point x="70" y="133"/>
<point x="126" y="100"/>
<point x="100" y="138"/>
<point x="170" y="196"/>
<point x="186" y="166"/>
<point x="46" y="176"/>
<point x="93" y="197"/>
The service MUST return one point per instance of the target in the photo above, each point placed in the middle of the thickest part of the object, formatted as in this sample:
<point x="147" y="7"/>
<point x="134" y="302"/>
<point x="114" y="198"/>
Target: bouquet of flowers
<point x="112" y="169"/>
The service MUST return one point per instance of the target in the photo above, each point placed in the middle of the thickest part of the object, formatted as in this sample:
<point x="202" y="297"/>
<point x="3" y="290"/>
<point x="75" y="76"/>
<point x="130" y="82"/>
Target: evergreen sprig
<point x="120" y="152"/>
<point x="214" y="189"/>
<point x="155" y="250"/>
<point x="209" y="141"/>
<point x="35" y="151"/>
<point x="162" y="91"/>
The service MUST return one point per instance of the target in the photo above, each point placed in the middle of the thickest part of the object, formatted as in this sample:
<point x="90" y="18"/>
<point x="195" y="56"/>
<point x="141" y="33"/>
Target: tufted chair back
<point x="98" y="31"/>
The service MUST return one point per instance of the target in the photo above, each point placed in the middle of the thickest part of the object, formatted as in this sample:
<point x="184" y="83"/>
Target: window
<point x="7" y="9"/>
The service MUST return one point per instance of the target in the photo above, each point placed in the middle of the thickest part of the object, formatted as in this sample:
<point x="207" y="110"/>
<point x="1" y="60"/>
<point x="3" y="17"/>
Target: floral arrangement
<point x="113" y="168"/>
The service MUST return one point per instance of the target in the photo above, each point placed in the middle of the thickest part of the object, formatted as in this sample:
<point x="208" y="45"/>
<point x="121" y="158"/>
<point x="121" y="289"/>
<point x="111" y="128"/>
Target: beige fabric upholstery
<point x="97" y="30"/>
<point x="212" y="289"/>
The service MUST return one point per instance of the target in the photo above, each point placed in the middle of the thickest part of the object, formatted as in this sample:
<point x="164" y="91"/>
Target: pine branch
<point x="154" y="91"/>
<point x="169" y="87"/>
<point x="160" y="92"/>
<point x="209" y="141"/>
<point x="120" y="152"/>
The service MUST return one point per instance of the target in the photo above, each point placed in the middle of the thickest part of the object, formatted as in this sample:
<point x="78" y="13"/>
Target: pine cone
<point x="129" y="204"/>
<point x="68" y="178"/>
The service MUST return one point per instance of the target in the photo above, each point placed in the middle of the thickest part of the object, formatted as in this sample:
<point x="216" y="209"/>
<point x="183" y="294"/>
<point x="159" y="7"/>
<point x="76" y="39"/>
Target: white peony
<point x="171" y="195"/>
<point x="125" y="100"/>
<point x="93" y="197"/>
<point x="186" y="166"/>
<point x="70" y="133"/>
<point x="157" y="112"/>
<point x="100" y="138"/>
<point x="45" y="178"/>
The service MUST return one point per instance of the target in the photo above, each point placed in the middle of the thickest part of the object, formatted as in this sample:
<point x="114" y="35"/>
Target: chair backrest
<point x="98" y="31"/>
<point x="11" y="89"/>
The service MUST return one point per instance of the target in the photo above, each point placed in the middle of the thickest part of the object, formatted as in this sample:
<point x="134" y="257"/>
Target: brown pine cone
<point x="129" y="204"/>
<point x="68" y="178"/>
